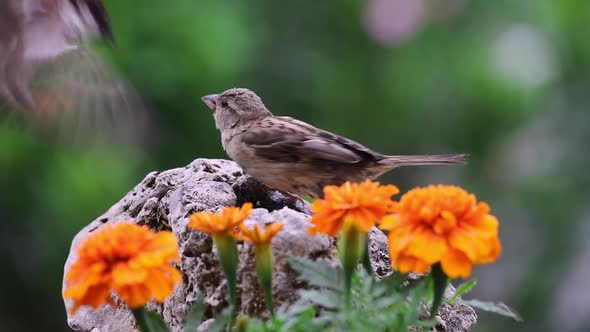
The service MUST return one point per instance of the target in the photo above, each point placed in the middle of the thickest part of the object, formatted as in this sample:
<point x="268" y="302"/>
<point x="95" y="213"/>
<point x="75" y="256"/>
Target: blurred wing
<point x="80" y="94"/>
<point x="47" y="73"/>
<point x="93" y="12"/>
<point x="288" y="140"/>
<point x="11" y="48"/>
<point x="50" y="28"/>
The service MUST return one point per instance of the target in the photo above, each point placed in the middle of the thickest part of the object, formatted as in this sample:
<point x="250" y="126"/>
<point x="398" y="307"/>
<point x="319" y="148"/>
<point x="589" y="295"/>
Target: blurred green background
<point x="506" y="81"/>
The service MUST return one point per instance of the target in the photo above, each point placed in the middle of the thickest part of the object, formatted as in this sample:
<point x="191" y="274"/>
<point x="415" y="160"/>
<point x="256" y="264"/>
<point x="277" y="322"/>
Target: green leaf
<point x="307" y="198"/>
<point x="302" y="319"/>
<point x="495" y="307"/>
<point x="394" y="281"/>
<point x="463" y="289"/>
<point x="149" y="321"/>
<point x="417" y="295"/>
<point x="196" y="315"/>
<point x="324" y="298"/>
<point x="221" y="320"/>
<point x="317" y="273"/>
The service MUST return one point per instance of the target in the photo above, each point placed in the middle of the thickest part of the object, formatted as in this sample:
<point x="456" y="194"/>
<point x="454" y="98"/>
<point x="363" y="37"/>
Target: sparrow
<point x="48" y="71"/>
<point x="295" y="157"/>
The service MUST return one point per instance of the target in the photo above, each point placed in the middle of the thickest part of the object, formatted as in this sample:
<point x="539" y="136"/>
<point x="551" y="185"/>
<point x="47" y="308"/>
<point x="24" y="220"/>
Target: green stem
<point x="351" y="245"/>
<point x="264" y="270"/>
<point x="227" y="253"/>
<point x="440" y="281"/>
<point x="148" y="321"/>
<point x="367" y="258"/>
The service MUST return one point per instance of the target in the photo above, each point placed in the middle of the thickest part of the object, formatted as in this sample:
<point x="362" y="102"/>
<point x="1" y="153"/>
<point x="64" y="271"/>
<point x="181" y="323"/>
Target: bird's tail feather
<point x="416" y="160"/>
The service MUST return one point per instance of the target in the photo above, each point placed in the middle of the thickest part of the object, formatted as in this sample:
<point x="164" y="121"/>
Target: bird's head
<point x="236" y="107"/>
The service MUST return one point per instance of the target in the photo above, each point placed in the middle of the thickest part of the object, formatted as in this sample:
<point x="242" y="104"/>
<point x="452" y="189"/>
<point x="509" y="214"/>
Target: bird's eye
<point x="224" y="103"/>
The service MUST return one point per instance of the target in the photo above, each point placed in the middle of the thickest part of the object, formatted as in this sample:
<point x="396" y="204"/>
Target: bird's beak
<point x="210" y="101"/>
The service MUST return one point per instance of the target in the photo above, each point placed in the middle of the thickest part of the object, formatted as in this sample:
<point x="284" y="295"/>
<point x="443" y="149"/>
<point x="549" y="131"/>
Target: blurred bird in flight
<point x="48" y="73"/>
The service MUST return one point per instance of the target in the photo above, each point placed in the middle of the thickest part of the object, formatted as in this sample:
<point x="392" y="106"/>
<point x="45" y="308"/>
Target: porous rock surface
<point x="164" y="200"/>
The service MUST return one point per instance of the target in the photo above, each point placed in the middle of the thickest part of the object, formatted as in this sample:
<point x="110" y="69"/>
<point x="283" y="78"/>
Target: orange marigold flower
<point x="128" y="259"/>
<point x="258" y="236"/>
<point x="442" y="224"/>
<point x="362" y="204"/>
<point x="216" y="223"/>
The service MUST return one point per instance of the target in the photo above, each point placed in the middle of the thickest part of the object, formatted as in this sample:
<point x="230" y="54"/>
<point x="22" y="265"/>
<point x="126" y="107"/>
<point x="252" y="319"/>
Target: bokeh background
<point x="506" y="81"/>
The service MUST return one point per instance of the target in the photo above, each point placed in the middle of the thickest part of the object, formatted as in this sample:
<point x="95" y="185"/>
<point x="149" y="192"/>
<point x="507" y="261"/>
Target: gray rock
<point x="379" y="253"/>
<point x="164" y="200"/>
<point x="457" y="317"/>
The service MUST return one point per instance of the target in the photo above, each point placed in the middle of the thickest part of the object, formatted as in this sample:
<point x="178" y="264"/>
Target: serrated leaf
<point x="415" y="297"/>
<point x="149" y="321"/>
<point x="298" y="322"/>
<point x="385" y="301"/>
<point x="316" y="273"/>
<point x="393" y="281"/>
<point x="408" y="285"/>
<point x="463" y="289"/>
<point x="221" y="320"/>
<point x="324" y="298"/>
<point x="495" y="307"/>
<point x="196" y="315"/>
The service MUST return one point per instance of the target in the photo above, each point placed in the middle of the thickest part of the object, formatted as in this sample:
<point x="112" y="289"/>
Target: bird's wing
<point x="93" y="11"/>
<point x="51" y="28"/>
<point x="290" y="140"/>
<point x="82" y="95"/>
<point x="48" y="73"/>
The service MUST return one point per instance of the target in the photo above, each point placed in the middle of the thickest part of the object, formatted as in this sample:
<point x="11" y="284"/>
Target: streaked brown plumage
<point x="293" y="156"/>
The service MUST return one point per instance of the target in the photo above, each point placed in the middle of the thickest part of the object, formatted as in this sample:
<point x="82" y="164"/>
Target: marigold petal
<point x="407" y="264"/>
<point x="93" y="296"/>
<point x="476" y="212"/>
<point x="120" y="258"/>
<point x="427" y="246"/>
<point x="162" y="282"/>
<point x="164" y="242"/>
<point x="124" y="274"/>
<point x="331" y="229"/>
<point x="389" y="222"/>
<point x="362" y="218"/>
<point x="446" y="222"/>
<point x="329" y="222"/>
<point x="258" y="236"/>
<point x="398" y="240"/>
<point x="224" y="222"/>
<point x="495" y="248"/>
<point x="442" y="223"/>
<point x="486" y="226"/>
<point x="134" y="296"/>
<point x="271" y="230"/>
<point x="363" y="204"/>
<point x="470" y="243"/>
<point x="456" y="264"/>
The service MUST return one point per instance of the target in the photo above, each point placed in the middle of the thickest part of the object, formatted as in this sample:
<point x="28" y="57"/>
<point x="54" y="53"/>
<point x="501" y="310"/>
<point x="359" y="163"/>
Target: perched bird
<point x="47" y="72"/>
<point x="293" y="156"/>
